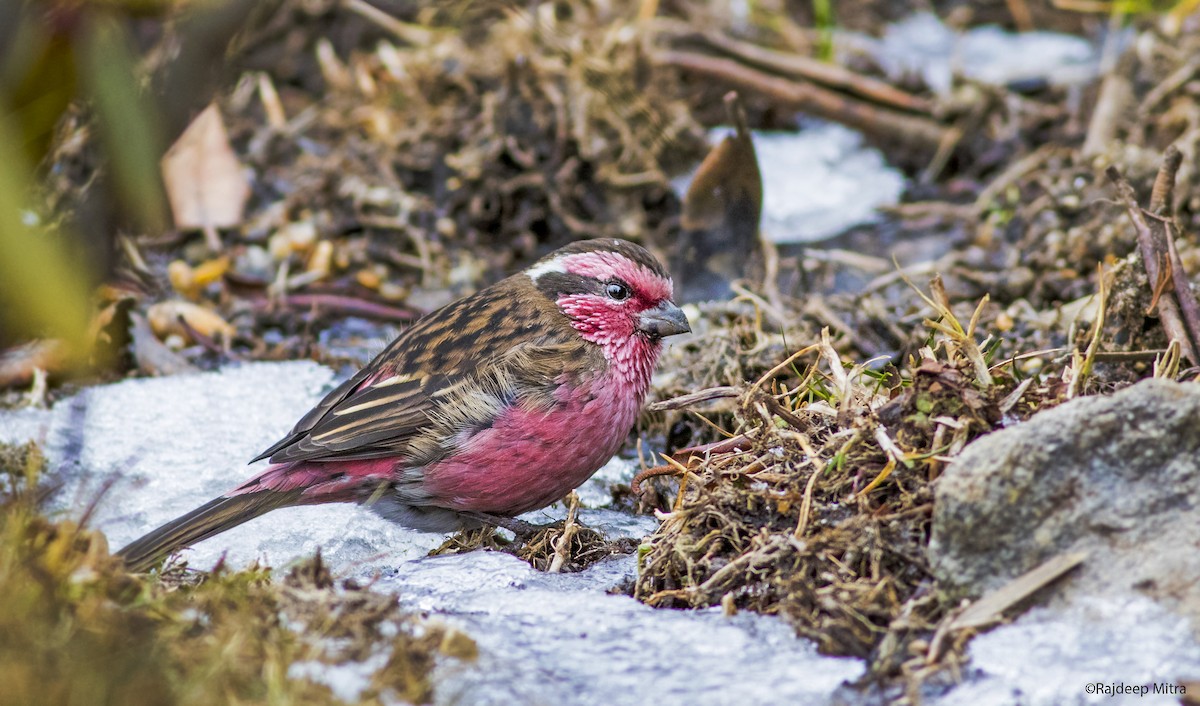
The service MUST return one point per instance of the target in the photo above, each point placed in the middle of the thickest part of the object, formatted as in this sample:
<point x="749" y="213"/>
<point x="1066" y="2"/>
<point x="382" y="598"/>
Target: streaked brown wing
<point x="381" y="409"/>
<point x="370" y="422"/>
<point x="314" y="415"/>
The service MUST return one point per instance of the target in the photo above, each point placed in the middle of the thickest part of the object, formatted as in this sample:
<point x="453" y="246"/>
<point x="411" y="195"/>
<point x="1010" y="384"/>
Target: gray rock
<point x="1118" y="477"/>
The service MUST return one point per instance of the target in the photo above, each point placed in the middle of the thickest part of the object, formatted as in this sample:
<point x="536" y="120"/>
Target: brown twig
<point x="683" y="456"/>
<point x="991" y="607"/>
<point x="635" y="486"/>
<point x="1173" y="82"/>
<point x="1021" y="15"/>
<point x="787" y="415"/>
<point x="694" y="398"/>
<point x="1013" y="173"/>
<point x="810" y="69"/>
<point x="1163" y="192"/>
<point x="344" y="305"/>
<point x="1165" y="277"/>
<point x="1116" y="95"/>
<point x="813" y="99"/>
<point x="1180" y="313"/>
<point x="207" y="342"/>
<point x="1162" y="196"/>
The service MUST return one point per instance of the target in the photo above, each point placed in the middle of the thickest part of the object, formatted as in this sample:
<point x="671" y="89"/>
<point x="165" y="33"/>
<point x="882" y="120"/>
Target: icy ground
<point x="1049" y="657"/>
<point x="922" y="44"/>
<point x="146" y="451"/>
<point x="153" y="449"/>
<point x="817" y="182"/>
<point x="822" y="180"/>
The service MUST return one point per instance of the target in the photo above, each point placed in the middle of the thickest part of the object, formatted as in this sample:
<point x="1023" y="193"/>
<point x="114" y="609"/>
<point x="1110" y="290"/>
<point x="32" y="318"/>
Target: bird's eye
<point x="616" y="290"/>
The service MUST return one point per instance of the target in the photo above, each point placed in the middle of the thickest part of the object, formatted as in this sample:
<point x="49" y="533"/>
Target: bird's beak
<point x="664" y="320"/>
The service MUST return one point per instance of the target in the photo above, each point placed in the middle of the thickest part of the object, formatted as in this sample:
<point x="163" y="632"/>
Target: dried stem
<point x="1081" y="366"/>
<point x="817" y="71"/>
<point x="562" y="547"/>
<point x="1163" y="192"/>
<point x="814" y="99"/>
<point x="1116" y="94"/>
<point x="694" y="398"/>
<point x="1178" y="309"/>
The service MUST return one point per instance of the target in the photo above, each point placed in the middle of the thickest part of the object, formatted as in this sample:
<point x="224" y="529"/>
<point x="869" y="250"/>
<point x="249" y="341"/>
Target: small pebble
<point x="255" y="262"/>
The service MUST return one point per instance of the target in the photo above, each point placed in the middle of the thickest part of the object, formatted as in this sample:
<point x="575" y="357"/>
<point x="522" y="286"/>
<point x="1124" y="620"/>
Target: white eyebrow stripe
<point x="555" y="265"/>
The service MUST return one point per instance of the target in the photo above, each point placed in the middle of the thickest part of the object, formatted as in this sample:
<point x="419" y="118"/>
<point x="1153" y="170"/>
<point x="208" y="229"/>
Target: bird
<point x="497" y="404"/>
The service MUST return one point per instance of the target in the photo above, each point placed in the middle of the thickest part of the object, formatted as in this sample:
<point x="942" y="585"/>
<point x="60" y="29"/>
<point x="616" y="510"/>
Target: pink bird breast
<point x="528" y="459"/>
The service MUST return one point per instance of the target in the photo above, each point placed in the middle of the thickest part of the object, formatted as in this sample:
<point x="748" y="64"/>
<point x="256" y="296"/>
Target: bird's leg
<point x="521" y="528"/>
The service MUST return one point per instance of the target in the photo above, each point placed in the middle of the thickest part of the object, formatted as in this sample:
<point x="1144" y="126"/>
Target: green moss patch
<point x="76" y="628"/>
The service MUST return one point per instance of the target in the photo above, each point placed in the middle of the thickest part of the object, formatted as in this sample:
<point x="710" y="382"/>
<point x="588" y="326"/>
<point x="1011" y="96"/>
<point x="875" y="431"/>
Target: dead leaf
<point x="165" y="318"/>
<point x="204" y="179"/>
<point x="18" y="365"/>
<point x="991" y="607"/>
<point x="190" y="281"/>
<point x="154" y="358"/>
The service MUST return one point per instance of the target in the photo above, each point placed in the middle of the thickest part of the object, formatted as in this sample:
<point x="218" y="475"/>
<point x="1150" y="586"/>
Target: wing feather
<point x="454" y="370"/>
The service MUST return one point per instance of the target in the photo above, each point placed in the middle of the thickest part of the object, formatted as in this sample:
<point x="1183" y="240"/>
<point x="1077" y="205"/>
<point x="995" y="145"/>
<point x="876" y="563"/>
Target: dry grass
<point x="566" y="546"/>
<point x="75" y="628"/>
<point x="817" y="505"/>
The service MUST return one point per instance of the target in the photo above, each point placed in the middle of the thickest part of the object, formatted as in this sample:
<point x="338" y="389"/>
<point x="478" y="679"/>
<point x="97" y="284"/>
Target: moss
<point x="76" y="628"/>
<point x="816" y="504"/>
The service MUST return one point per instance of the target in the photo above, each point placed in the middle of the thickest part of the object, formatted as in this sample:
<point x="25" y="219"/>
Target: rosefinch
<point x="495" y="405"/>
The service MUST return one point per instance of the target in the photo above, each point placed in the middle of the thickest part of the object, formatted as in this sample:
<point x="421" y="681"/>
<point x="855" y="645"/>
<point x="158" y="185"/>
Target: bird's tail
<point x="223" y="513"/>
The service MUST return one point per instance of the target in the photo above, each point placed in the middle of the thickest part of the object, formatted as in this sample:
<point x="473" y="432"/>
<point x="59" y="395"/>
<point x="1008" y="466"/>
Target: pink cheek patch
<point x="596" y="318"/>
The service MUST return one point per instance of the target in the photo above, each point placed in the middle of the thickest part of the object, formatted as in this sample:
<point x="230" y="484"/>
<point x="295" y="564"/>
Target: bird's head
<point x="615" y="293"/>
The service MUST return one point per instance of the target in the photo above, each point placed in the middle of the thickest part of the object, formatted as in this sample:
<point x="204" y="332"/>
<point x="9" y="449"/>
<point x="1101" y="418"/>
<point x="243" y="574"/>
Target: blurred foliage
<point x="1174" y="12"/>
<point x="824" y="21"/>
<point x="129" y="127"/>
<point x="52" y="55"/>
<point x="42" y="291"/>
<point x="77" y="629"/>
<point x="1143" y="7"/>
